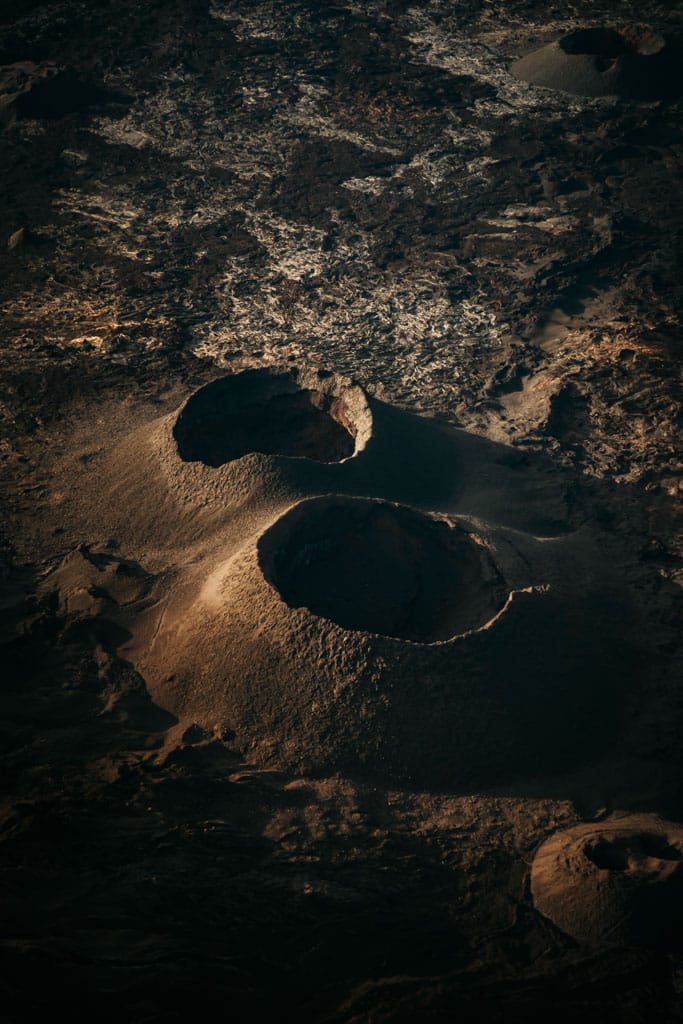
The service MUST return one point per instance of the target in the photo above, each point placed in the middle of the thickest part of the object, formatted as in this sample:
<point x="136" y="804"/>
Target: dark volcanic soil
<point x="194" y="188"/>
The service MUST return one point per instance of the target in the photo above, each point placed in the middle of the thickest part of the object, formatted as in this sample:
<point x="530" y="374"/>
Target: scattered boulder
<point x="16" y="239"/>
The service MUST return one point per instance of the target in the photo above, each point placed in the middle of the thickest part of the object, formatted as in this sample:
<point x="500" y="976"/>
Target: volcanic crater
<point x="382" y="568"/>
<point x="608" y="43"/>
<point x="632" y="852"/>
<point x="270" y="413"/>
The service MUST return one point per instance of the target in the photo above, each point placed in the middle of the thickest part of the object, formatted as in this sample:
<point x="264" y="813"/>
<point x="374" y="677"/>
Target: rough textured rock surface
<point x="193" y="189"/>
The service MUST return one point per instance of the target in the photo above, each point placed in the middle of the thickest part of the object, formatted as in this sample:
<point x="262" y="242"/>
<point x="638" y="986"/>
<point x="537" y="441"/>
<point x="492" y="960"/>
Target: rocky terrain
<point x="192" y="190"/>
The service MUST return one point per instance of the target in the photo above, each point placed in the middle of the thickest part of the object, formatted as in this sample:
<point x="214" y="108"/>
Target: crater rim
<point x="415" y="555"/>
<point x="281" y="413"/>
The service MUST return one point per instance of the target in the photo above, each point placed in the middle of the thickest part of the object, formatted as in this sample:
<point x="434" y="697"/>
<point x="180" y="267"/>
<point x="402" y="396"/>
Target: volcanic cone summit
<point x="632" y="62"/>
<point x="382" y="568"/>
<point x="273" y="413"/>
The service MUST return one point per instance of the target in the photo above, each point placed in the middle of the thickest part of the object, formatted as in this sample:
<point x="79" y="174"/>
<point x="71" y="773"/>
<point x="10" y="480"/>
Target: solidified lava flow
<point x="387" y="569"/>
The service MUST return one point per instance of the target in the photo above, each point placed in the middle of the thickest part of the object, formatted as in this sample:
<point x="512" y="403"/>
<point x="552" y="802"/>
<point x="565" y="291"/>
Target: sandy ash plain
<point x="233" y="782"/>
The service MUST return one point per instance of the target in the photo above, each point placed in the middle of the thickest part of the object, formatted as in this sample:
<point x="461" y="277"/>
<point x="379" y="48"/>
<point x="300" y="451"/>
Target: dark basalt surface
<point x="367" y="188"/>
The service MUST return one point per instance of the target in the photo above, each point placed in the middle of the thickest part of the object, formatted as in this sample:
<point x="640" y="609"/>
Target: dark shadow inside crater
<point x="610" y="44"/>
<point x="231" y="417"/>
<point x="622" y="853"/>
<point x="603" y="43"/>
<point x="368" y="565"/>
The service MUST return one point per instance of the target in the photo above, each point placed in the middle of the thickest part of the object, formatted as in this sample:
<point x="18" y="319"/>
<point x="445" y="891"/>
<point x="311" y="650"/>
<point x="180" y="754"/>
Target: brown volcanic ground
<point x="229" y="786"/>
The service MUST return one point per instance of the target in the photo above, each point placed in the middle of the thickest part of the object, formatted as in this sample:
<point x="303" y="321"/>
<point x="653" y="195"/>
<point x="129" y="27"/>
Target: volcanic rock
<point x="16" y="239"/>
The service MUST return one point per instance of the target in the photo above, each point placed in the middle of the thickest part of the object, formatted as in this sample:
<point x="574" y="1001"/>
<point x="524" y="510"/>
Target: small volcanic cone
<point x="256" y="438"/>
<point x="350" y="629"/>
<point x="619" y="881"/>
<point x="631" y="62"/>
